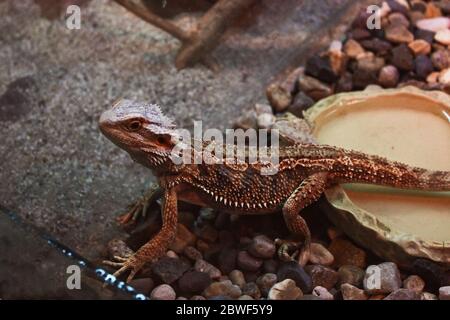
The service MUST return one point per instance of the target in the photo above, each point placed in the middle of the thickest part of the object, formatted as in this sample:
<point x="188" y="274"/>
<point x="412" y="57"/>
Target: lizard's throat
<point x="152" y="159"/>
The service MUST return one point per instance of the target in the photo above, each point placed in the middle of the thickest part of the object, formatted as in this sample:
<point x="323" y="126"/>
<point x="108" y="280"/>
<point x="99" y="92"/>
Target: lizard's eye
<point x="134" y="125"/>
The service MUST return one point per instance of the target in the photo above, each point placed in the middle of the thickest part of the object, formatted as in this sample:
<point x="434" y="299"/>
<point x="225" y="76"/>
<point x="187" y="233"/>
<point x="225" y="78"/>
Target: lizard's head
<point x="141" y="129"/>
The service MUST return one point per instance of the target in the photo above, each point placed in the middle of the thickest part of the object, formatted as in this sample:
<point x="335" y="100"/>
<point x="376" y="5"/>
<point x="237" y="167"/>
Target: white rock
<point x="443" y="36"/>
<point x="322" y="293"/>
<point x="285" y="290"/>
<point x="434" y="24"/>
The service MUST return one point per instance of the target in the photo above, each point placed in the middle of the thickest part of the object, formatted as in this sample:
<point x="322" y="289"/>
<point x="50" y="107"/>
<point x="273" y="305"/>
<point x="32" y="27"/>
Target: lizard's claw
<point x="131" y="263"/>
<point x="300" y="252"/>
<point x="140" y="208"/>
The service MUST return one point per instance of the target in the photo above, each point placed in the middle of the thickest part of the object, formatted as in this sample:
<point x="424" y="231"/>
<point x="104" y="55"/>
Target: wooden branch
<point x="209" y="31"/>
<point x="198" y="43"/>
<point x="143" y="13"/>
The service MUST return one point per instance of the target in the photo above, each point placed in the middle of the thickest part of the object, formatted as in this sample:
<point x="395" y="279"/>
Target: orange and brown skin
<point x="304" y="172"/>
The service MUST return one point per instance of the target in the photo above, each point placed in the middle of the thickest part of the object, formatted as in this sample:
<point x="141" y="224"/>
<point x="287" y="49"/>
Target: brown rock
<point x="204" y="266"/>
<point x="432" y="11"/>
<point x="301" y="103"/>
<point x="247" y="262"/>
<point x="352" y="48"/>
<point x="402" y="58"/>
<point x="183" y="238"/>
<point x="403" y="294"/>
<point x="441" y="59"/>
<point x="320" y="68"/>
<point x="345" y="252"/>
<point x="397" y="18"/>
<point x="322" y="276"/>
<point x="320" y="255"/>
<point x="285" y="290"/>
<point x="420" y="47"/>
<point x="388" y="76"/>
<point x="279" y="98"/>
<point x="414" y="283"/>
<point x="418" y="5"/>
<point x="350" y="292"/>
<point x="426" y="35"/>
<point x="359" y="34"/>
<point x="314" y="88"/>
<point x="444" y="76"/>
<point x="345" y="83"/>
<point x="423" y="66"/>
<point x="376" y="45"/>
<point x="399" y="34"/>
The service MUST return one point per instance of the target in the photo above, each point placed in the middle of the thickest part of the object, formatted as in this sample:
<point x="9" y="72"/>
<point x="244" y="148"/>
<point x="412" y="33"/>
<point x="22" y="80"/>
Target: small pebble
<point x="265" y="120"/>
<point x="352" y="48"/>
<point x="292" y="270"/>
<point x="420" y="47"/>
<point x="285" y="290"/>
<point x="197" y="297"/>
<point x="169" y="269"/>
<point x="262" y="247"/>
<point x="322" y="293"/>
<point x="320" y="255"/>
<point x="144" y="285"/>
<point x="351" y="275"/>
<point x="403" y="294"/>
<point x="163" y="292"/>
<point x="265" y="282"/>
<point x="444" y="76"/>
<point x="444" y="293"/>
<point x="414" y="283"/>
<point x="222" y="288"/>
<point x="245" y="297"/>
<point x="204" y="266"/>
<point x="443" y="36"/>
<point x="248" y="262"/>
<point x="251" y="289"/>
<point x="398" y="33"/>
<point x="192" y="253"/>
<point x="434" y="24"/>
<point x="194" y="282"/>
<point x="441" y="59"/>
<point x="350" y="292"/>
<point x="428" y="296"/>
<point x="237" y="278"/>
<point x="322" y="276"/>
<point x="388" y="76"/>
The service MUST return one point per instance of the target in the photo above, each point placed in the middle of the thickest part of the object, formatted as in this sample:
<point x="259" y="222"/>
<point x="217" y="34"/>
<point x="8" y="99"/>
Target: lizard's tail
<point x="381" y="171"/>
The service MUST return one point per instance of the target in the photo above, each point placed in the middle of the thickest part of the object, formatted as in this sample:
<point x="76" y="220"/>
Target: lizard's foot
<point x="288" y="250"/>
<point x="132" y="263"/>
<point x="140" y="208"/>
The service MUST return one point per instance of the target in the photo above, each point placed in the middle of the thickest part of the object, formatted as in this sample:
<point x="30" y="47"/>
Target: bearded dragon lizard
<point x="304" y="171"/>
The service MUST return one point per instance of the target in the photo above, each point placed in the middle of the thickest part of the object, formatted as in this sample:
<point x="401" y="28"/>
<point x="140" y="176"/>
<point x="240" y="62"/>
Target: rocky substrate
<point x="411" y="47"/>
<point x="220" y="256"/>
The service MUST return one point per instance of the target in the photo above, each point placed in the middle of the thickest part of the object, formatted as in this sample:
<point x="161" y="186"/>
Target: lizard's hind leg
<point x="140" y="207"/>
<point x="306" y="193"/>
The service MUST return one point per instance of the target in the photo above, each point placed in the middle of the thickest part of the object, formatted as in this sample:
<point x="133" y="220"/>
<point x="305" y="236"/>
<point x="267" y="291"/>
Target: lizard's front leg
<point x="156" y="247"/>
<point x="141" y="206"/>
<point x="306" y="193"/>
